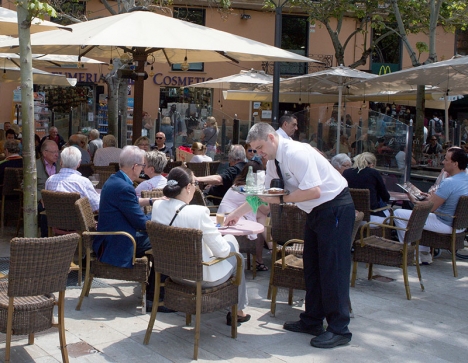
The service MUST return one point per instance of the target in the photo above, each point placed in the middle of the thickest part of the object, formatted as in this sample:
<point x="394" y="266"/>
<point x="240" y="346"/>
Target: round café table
<point x="242" y="228"/>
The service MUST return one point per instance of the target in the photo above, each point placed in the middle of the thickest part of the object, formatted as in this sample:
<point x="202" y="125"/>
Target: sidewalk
<point x="432" y="327"/>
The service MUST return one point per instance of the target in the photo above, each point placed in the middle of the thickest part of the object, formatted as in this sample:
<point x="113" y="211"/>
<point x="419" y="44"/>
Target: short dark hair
<point x="459" y="156"/>
<point x="10" y="131"/>
<point x="286" y="118"/>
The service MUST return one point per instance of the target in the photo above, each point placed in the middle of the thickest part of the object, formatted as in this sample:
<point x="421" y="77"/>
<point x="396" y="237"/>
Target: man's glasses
<point x="252" y="151"/>
<point x="195" y="183"/>
<point x="142" y="165"/>
<point x="158" y="138"/>
<point x="52" y="151"/>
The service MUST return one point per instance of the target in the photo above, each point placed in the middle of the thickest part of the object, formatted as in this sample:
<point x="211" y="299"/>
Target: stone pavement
<point x="432" y="327"/>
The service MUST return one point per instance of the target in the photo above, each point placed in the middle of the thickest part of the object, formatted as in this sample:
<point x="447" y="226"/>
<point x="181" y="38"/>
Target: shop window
<point x="196" y="16"/>
<point x="386" y="56"/>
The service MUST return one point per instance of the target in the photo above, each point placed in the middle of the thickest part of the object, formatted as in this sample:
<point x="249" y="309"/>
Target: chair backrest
<point x="115" y="165"/>
<point x="155" y="193"/>
<point x="60" y="209"/>
<point x="86" y="170"/>
<point x="177" y="252"/>
<point x="287" y="222"/>
<point x="461" y="213"/>
<point x="198" y="198"/>
<point x="85" y="216"/>
<point x="361" y="199"/>
<point x="170" y="165"/>
<point x="199" y="169"/>
<point x="12" y="179"/>
<point x="357" y="223"/>
<point x="40" y="265"/>
<point x="104" y="173"/>
<point x="213" y="167"/>
<point x="416" y="222"/>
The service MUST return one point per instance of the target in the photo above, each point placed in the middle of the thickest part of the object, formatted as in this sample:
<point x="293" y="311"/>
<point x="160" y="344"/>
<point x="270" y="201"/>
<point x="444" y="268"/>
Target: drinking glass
<point x="94" y="179"/>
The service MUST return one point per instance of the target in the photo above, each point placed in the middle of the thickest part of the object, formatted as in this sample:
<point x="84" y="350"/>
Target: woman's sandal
<point x="261" y="267"/>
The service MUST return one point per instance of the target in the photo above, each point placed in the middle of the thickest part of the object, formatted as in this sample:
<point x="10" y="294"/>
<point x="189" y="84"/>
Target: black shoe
<point x="299" y="327"/>
<point x="240" y="319"/>
<point x="329" y="340"/>
<point x="161" y="309"/>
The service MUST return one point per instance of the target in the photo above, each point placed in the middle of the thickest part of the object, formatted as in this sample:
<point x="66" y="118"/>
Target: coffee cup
<point x="220" y="219"/>
<point x="277" y="183"/>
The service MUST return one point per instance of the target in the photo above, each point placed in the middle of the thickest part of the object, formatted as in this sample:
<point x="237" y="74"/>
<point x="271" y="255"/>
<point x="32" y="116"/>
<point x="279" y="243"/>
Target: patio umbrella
<point x="168" y="40"/>
<point x="12" y="74"/>
<point x="245" y="81"/>
<point x="448" y="76"/>
<point x="329" y="81"/>
<point x="47" y="59"/>
<point x="9" y="23"/>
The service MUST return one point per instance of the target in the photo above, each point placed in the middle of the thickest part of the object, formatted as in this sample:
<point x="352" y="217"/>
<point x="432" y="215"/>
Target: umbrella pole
<point x="447" y="138"/>
<point x="338" y="126"/>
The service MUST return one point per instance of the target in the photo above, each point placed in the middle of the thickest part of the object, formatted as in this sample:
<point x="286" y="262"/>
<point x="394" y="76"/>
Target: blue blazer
<point x="118" y="211"/>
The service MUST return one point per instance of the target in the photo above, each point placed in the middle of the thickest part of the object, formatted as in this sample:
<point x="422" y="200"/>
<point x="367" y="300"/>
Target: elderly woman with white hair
<point x="155" y="162"/>
<point x="363" y="176"/>
<point x="69" y="180"/>
<point x="341" y="162"/>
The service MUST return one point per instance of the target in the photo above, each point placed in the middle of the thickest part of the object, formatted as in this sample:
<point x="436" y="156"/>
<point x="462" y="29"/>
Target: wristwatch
<point x="281" y="199"/>
<point x="151" y="202"/>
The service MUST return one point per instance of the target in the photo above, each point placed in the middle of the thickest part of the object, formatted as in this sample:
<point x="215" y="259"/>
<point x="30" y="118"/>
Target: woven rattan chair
<point x="199" y="169"/>
<point x="170" y="165"/>
<point x="94" y="268"/>
<point x="361" y="199"/>
<point x="104" y="173"/>
<point x="287" y="223"/>
<point x="62" y="218"/>
<point x="213" y="167"/>
<point x="38" y="267"/>
<point x="382" y="251"/>
<point x="86" y="170"/>
<point x="177" y="253"/>
<point x="155" y="193"/>
<point x="454" y="241"/>
<point x="288" y="271"/>
<point x="12" y="195"/>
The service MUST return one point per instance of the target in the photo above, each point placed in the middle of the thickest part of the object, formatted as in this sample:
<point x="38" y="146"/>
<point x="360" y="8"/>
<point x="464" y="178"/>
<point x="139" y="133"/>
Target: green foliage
<point x="38" y="9"/>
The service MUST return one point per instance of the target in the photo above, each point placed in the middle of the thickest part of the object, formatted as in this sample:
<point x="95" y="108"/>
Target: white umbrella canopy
<point x="9" y="23"/>
<point x="12" y="74"/>
<point x="168" y="40"/>
<point x="328" y="81"/>
<point x="243" y="81"/>
<point x="449" y="77"/>
<point x="49" y="59"/>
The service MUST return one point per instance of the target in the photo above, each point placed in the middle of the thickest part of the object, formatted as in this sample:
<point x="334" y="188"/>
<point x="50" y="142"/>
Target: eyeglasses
<point x="52" y="151"/>
<point x="252" y="151"/>
<point x="195" y="183"/>
<point x="142" y="165"/>
<point x="158" y="138"/>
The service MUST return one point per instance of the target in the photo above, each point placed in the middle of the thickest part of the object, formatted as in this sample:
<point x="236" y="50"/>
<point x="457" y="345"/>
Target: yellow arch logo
<point x="384" y="70"/>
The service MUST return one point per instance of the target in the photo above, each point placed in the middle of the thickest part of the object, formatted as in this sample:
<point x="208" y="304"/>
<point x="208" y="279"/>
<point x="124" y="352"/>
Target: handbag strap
<point x="177" y="213"/>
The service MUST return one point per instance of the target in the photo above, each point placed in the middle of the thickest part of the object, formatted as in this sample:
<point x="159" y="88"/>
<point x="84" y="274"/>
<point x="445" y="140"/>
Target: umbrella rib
<point x="167" y="58"/>
<point x="227" y="56"/>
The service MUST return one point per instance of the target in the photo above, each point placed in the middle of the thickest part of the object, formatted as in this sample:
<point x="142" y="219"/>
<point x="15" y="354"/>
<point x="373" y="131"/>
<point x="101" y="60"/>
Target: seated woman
<point x="341" y="162"/>
<point x="233" y="200"/>
<point x="199" y="150"/>
<point x="363" y="176"/>
<point x="155" y="162"/>
<point x="180" y="188"/>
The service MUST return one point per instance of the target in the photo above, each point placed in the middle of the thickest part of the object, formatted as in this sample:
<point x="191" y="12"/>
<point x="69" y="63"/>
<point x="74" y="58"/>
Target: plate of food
<point x="270" y="192"/>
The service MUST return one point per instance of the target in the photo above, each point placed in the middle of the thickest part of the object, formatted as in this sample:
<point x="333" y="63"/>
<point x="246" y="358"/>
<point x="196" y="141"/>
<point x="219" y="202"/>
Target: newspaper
<point x="411" y="189"/>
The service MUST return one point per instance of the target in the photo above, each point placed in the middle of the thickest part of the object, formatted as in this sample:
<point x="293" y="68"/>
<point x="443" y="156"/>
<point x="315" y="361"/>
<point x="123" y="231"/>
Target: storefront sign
<point x="160" y="79"/>
<point x="82" y="77"/>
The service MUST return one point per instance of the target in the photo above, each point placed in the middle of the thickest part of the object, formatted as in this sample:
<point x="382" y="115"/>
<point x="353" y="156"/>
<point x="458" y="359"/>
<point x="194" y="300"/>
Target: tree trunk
<point x="27" y="115"/>
<point x="112" y="81"/>
<point x="419" y="125"/>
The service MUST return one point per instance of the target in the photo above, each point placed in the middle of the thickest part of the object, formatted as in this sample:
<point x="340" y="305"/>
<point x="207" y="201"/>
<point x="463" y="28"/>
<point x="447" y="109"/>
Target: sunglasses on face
<point x="252" y="151"/>
<point x="158" y="138"/>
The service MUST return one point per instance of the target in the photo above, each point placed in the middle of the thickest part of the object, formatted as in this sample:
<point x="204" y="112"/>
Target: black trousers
<point x="327" y="266"/>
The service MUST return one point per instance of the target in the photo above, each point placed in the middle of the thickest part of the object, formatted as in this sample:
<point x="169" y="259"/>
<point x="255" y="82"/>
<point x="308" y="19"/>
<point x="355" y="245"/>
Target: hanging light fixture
<point x="185" y="65"/>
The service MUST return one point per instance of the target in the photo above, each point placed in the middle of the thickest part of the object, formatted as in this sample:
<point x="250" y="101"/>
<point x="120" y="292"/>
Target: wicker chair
<point x="361" y="199"/>
<point x="170" y="165"/>
<point x="155" y="193"/>
<point x="199" y="169"/>
<point x="289" y="269"/>
<point x="63" y="219"/>
<point x="86" y="170"/>
<point x="381" y="251"/>
<point x="12" y="195"/>
<point x="213" y="167"/>
<point x="287" y="223"/>
<point x="104" y="173"/>
<point x="454" y="241"/>
<point x="177" y="253"/>
<point x="38" y="267"/>
<point x="94" y="268"/>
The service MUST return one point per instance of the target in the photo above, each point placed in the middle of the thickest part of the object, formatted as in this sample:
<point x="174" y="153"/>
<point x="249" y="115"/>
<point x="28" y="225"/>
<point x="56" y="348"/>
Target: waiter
<point x="319" y="190"/>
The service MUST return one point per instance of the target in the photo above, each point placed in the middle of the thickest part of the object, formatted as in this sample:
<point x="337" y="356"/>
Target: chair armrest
<point x="283" y="250"/>
<point x="381" y="209"/>
<point x="383" y="226"/>
<point x="444" y="215"/>
<point x="239" y="259"/>
<point x="116" y="233"/>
